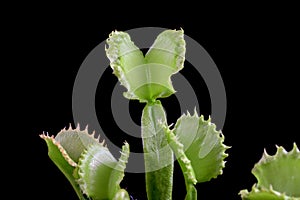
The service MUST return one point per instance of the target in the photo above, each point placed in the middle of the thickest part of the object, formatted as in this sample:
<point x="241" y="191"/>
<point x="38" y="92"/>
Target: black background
<point x="255" y="49"/>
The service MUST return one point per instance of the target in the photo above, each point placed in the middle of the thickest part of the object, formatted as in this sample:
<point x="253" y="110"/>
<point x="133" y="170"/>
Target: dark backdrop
<point x="256" y="51"/>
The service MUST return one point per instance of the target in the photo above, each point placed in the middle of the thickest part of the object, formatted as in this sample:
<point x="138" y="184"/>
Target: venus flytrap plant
<point x="196" y="143"/>
<point x="278" y="176"/>
<point x="88" y="165"/>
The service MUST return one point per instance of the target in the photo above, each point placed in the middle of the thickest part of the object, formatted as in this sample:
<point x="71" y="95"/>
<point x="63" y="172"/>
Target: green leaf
<point x="117" y="174"/>
<point x="203" y="145"/>
<point x="99" y="172"/>
<point x="277" y="175"/>
<point x="62" y="160"/>
<point x="185" y="164"/>
<point x="168" y="50"/>
<point x="124" y="57"/>
<point x="75" y="141"/>
<point x="158" y="155"/>
<point x="146" y="79"/>
<point x="95" y="167"/>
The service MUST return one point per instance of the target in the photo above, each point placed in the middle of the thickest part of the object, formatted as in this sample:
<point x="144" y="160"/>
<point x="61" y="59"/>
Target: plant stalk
<point x="158" y="155"/>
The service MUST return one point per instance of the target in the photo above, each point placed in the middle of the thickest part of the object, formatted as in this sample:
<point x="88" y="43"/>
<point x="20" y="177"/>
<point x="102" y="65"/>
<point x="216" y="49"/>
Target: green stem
<point x="191" y="193"/>
<point x="185" y="164"/>
<point x="158" y="155"/>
